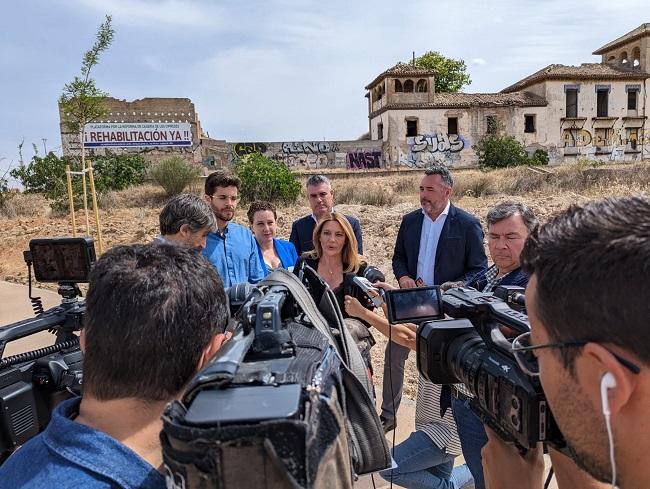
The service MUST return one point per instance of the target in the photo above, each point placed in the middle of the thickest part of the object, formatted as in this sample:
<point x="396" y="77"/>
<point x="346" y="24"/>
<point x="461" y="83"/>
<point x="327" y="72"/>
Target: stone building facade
<point x="595" y="110"/>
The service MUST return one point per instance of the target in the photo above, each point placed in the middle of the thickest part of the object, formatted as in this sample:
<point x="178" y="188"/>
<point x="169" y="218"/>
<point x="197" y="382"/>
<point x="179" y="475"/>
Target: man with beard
<point x="231" y="248"/>
<point x="187" y="220"/>
<point x="589" y="343"/>
<point x="321" y="201"/>
<point x="435" y="244"/>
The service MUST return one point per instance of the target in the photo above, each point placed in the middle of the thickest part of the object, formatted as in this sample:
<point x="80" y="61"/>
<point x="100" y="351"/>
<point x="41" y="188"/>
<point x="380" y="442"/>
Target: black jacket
<point x="302" y="232"/>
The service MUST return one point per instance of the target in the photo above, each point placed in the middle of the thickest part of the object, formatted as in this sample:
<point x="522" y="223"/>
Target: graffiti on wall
<point x="363" y="160"/>
<point x="314" y="155"/>
<point x="242" y="149"/>
<point x="313" y="147"/>
<point x="427" y="149"/>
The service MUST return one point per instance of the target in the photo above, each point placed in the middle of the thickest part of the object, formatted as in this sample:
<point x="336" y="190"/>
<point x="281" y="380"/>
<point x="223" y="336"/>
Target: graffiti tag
<point x="362" y="160"/>
<point x="314" y="147"/>
<point x="242" y="149"/>
<point x="438" y="142"/>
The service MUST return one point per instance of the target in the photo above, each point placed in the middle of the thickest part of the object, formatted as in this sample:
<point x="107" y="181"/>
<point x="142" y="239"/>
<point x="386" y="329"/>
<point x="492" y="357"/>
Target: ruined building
<point x="595" y="110"/>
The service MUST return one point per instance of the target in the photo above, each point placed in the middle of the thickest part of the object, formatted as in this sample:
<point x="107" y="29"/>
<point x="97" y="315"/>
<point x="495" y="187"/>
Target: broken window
<point x="452" y="125"/>
<point x="572" y="102"/>
<point x="602" y="101"/>
<point x="408" y="86"/>
<point x="398" y="86"/>
<point x="380" y="131"/>
<point x="421" y="86"/>
<point x="603" y="136"/>
<point x="529" y="123"/>
<point x="411" y="128"/>
<point x="632" y="137"/>
<point x="492" y="125"/>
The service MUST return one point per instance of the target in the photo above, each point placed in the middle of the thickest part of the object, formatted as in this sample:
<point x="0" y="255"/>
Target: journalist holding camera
<point x="155" y="314"/>
<point x="589" y="345"/>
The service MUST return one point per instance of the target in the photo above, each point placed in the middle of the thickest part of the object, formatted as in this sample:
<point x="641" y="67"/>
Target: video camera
<point x="285" y="403"/>
<point x="474" y="348"/>
<point x="33" y="382"/>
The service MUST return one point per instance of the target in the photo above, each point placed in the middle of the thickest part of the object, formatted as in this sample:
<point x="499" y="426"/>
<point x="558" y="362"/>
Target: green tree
<point x="263" y="178"/>
<point x="451" y="73"/>
<point x="81" y="101"/>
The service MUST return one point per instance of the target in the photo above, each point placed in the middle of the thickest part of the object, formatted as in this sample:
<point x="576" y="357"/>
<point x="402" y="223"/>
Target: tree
<point x="81" y="101"/>
<point x="263" y="178"/>
<point x="451" y="73"/>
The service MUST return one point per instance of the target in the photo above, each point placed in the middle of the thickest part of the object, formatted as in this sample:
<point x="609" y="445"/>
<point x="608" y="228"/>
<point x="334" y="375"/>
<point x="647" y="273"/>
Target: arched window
<point x="408" y="86"/>
<point x="611" y="58"/>
<point x="623" y="57"/>
<point x="421" y="86"/>
<point x="636" y="56"/>
<point x="398" y="86"/>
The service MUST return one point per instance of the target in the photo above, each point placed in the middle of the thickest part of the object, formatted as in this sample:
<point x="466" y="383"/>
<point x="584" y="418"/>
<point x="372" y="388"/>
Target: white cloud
<point x="479" y="61"/>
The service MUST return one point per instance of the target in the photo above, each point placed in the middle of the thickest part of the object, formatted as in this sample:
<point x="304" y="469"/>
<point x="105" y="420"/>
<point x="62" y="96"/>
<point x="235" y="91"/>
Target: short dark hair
<point x="220" y="179"/>
<point x="187" y="209"/>
<point x="260" y="206"/>
<point x="504" y="210"/>
<point x="592" y="264"/>
<point x="315" y="180"/>
<point x="151" y="310"/>
<point x="444" y="173"/>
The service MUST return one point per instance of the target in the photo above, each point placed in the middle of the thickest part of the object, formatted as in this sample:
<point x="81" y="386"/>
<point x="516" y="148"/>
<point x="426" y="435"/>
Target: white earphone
<point x="607" y="382"/>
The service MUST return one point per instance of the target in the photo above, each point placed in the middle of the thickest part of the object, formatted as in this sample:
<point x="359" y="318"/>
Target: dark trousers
<point x="472" y="438"/>
<point x="393" y="383"/>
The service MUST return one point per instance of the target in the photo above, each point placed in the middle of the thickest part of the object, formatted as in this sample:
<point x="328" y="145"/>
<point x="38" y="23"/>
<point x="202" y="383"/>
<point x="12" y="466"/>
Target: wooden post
<point x="93" y="194"/>
<point x="71" y="200"/>
<point x="83" y="176"/>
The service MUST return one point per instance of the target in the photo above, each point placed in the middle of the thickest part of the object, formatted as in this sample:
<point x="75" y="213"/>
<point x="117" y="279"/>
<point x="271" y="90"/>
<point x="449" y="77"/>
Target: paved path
<point x="15" y="306"/>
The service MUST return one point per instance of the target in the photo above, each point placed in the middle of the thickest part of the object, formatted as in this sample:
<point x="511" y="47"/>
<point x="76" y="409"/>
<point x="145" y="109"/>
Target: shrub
<point x="174" y="174"/>
<point x="495" y="151"/>
<point x="263" y="178"/>
<point x="46" y="175"/>
<point x="5" y="193"/>
<point x="538" y="158"/>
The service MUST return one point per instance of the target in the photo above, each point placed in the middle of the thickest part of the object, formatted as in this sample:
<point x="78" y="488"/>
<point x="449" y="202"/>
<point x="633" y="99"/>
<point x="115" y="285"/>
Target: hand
<point x="353" y="307"/>
<point x="407" y="282"/>
<point x="505" y="468"/>
<point x="451" y="285"/>
<point x="383" y="285"/>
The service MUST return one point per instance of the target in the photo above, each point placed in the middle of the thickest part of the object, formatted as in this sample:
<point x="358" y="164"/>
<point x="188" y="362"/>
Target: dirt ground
<point x="122" y="224"/>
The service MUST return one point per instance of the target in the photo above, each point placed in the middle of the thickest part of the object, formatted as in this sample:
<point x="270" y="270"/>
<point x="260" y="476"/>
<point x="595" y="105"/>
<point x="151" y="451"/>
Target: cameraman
<point x="155" y="315"/>
<point x="588" y="308"/>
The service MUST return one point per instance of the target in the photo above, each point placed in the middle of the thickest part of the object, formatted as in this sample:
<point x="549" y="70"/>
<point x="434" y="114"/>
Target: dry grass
<point x="146" y="196"/>
<point x="24" y="205"/>
<point x="353" y="193"/>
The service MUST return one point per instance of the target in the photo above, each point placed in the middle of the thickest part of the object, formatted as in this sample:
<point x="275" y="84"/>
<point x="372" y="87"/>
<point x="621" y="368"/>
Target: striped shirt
<point x="441" y="430"/>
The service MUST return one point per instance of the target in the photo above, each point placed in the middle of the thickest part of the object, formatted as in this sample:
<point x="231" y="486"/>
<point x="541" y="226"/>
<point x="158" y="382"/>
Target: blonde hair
<point x="349" y="254"/>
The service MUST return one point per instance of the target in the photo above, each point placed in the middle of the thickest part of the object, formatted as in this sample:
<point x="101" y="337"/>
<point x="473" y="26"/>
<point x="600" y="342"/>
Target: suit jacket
<point x="302" y="232"/>
<point x="460" y="254"/>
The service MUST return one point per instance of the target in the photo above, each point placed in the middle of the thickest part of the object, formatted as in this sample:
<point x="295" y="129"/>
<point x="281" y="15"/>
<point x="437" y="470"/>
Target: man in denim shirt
<point x="155" y="315"/>
<point x="232" y="248"/>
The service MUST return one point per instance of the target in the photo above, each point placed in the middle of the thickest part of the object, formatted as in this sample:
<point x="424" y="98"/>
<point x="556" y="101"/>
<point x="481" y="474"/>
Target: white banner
<point x="136" y="134"/>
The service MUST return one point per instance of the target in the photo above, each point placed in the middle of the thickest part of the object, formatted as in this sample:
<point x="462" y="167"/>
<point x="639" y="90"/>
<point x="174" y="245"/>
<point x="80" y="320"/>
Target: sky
<point x="277" y="70"/>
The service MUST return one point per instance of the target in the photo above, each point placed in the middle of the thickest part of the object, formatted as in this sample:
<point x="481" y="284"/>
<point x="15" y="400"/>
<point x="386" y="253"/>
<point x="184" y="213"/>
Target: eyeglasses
<point x="523" y="352"/>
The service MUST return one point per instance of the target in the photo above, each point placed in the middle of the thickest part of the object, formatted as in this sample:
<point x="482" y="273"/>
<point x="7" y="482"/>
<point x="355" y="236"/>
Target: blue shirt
<point x="429" y="238"/>
<point x="234" y="255"/>
<point x="71" y="455"/>
<point x="286" y="252"/>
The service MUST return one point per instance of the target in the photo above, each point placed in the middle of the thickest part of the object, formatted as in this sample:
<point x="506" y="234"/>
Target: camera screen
<point x="62" y="259"/>
<point x="414" y="305"/>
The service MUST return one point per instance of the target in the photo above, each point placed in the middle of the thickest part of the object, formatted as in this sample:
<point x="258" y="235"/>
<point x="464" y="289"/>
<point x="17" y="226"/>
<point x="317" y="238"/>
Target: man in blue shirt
<point x="155" y="315"/>
<point x="232" y="248"/>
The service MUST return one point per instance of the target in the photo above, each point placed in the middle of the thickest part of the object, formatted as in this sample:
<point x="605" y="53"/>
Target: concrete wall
<point x="309" y="155"/>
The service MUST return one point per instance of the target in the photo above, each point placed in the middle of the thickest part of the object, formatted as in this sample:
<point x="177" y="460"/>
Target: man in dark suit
<point x="321" y="201"/>
<point x="435" y="244"/>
